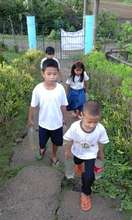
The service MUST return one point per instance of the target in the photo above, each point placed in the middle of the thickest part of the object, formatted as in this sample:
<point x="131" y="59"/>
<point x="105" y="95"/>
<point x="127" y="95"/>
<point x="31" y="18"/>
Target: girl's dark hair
<point x="49" y="63"/>
<point x="78" y="65"/>
<point x="50" y="51"/>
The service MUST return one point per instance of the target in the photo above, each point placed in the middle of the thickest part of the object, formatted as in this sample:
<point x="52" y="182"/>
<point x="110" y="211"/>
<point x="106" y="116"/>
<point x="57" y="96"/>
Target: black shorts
<point x="55" y="135"/>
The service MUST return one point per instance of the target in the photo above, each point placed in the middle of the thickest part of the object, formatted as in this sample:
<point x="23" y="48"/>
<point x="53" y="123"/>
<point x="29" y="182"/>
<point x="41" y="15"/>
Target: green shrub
<point x="54" y="35"/>
<point x="111" y="84"/>
<point x="3" y="47"/>
<point x="2" y="59"/>
<point x="16" y="83"/>
<point x="107" y="25"/>
<point x="33" y="55"/>
<point x="30" y="61"/>
<point x="127" y="87"/>
<point x="15" y="87"/>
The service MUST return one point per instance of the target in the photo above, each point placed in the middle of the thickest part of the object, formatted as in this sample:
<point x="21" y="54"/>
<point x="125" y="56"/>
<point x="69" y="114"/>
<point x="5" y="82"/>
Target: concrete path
<point x="40" y="192"/>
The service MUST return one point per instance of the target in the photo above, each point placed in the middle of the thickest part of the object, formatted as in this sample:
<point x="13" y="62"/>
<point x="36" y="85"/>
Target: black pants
<point x="88" y="176"/>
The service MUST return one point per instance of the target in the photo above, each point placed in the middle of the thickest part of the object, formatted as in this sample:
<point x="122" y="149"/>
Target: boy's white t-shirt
<point x="49" y="103"/>
<point x="77" y="84"/>
<point x="85" y="145"/>
<point x="45" y="58"/>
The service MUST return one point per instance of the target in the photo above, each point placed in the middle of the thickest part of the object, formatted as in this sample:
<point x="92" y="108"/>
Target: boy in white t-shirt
<point x="85" y="139"/>
<point x="49" y="96"/>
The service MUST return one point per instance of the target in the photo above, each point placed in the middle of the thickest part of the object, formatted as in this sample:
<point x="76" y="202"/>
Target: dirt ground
<point x="121" y="10"/>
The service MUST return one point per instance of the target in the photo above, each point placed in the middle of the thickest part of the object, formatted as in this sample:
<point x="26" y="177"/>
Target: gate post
<point x="31" y="32"/>
<point x="89" y="33"/>
<point x="60" y="44"/>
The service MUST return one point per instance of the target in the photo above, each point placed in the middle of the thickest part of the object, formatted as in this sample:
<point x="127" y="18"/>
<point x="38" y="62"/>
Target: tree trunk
<point x="13" y="34"/>
<point x="96" y="11"/>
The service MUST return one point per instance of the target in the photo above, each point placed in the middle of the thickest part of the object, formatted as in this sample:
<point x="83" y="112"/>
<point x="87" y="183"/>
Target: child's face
<point x="50" y="56"/>
<point x="89" y="121"/>
<point x="78" y="71"/>
<point x="50" y="74"/>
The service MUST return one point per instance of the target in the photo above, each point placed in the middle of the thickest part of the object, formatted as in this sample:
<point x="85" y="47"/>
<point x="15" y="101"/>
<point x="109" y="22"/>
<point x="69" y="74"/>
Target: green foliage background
<point x="111" y="84"/>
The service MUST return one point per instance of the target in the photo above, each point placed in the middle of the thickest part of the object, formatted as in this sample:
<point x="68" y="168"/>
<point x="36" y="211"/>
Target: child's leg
<point x="79" y="166"/>
<point x="54" y="151"/>
<point x="78" y="114"/>
<point x="88" y="176"/>
<point x="57" y="140"/>
<point x="43" y="138"/>
<point x="87" y="181"/>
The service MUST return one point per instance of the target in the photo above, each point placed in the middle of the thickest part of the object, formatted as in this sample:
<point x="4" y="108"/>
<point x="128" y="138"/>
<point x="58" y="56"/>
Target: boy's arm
<point x="67" y="88"/>
<point x="63" y="109"/>
<point x="68" y="145"/>
<point x="101" y="152"/>
<point x="86" y="85"/>
<point x="31" y="116"/>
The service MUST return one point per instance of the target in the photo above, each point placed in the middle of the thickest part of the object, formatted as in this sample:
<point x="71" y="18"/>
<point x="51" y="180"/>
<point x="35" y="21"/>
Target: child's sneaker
<point x="98" y="172"/>
<point x="79" y="169"/>
<point x="98" y="169"/>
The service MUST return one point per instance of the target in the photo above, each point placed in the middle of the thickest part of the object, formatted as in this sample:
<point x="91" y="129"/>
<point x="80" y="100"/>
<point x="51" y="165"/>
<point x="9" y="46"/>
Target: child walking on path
<point x="77" y="88"/>
<point x="50" y="54"/>
<point x="85" y="139"/>
<point x="51" y="99"/>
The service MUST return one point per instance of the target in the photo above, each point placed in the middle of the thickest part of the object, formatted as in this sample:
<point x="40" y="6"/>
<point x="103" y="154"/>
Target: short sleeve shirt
<point x="49" y="103"/>
<point x="85" y="145"/>
<point x="77" y="84"/>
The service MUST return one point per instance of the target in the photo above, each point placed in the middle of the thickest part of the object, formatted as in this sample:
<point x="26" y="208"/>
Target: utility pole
<point x="95" y="13"/>
<point x="88" y="24"/>
<point x="84" y="12"/>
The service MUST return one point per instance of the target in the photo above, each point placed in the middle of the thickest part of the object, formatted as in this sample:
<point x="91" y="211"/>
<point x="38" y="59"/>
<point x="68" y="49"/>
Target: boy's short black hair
<point x="49" y="63"/>
<point x="92" y="107"/>
<point x="50" y="51"/>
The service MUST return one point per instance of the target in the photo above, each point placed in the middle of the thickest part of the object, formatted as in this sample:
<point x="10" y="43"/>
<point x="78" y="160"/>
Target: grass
<point x="9" y="55"/>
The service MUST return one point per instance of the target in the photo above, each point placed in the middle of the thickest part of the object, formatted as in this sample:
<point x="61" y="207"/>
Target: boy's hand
<point x="68" y="155"/>
<point x="31" y="116"/>
<point x="68" y="145"/>
<point x="101" y="152"/>
<point x="64" y="126"/>
<point x="30" y="123"/>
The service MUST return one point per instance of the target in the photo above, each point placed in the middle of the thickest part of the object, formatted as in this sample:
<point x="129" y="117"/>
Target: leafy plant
<point x="16" y="84"/>
<point x="107" y="25"/>
<point x="54" y="35"/>
<point x="14" y="87"/>
<point x="111" y="85"/>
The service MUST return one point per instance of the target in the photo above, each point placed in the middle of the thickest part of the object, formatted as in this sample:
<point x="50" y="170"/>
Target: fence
<point x="10" y="38"/>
